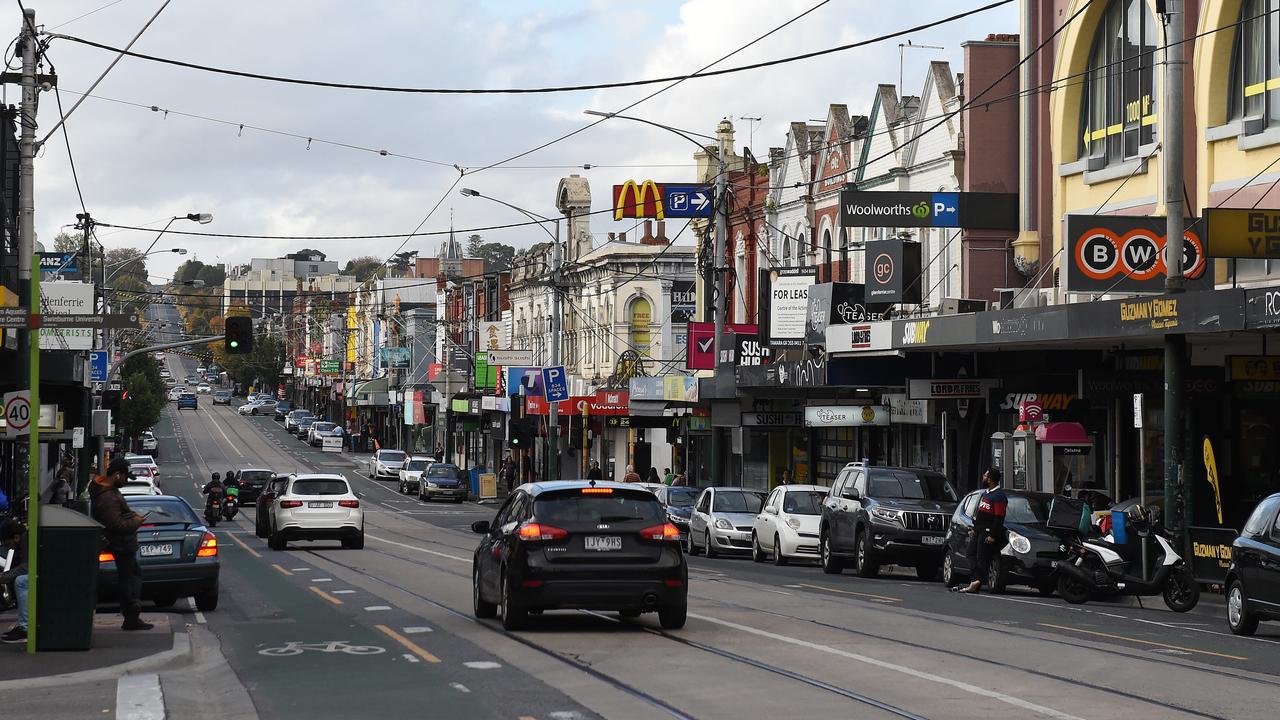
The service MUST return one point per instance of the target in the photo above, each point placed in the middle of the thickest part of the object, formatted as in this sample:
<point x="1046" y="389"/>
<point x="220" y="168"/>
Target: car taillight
<point x="349" y="503"/>
<point x="286" y="504"/>
<point x="661" y="533"/>
<point x="535" y="532"/>
<point x="106" y="557"/>
<point x="208" y="546"/>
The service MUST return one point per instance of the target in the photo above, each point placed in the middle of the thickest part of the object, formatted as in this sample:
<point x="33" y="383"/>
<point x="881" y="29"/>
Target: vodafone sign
<point x="1127" y="254"/>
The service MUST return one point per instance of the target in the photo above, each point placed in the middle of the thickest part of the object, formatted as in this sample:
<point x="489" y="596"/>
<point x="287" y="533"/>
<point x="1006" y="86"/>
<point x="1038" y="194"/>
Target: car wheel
<point x="868" y="567"/>
<point x="927" y="570"/>
<point x="672" y="617"/>
<point x="708" y="547"/>
<point x="355" y="543"/>
<point x="276" y="541"/>
<point x="997" y="578"/>
<point x="831" y="564"/>
<point x="258" y="528"/>
<point x="778" y="557"/>
<point x="757" y="554"/>
<point x="479" y="606"/>
<point x="1239" y="619"/>
<point x="513" y="615"/>
<point x="207" y="600"/>
<point x="689" y="547"/>
<point x="950" y="577"/>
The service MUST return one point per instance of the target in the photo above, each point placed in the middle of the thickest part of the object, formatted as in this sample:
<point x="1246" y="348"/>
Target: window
<point x="886" y="483"/>
<point x="641" y="316"/>
<point x="1257" y="523"/>
<point x="737" y="501"/>
<point x="1255" y="66"/>
<point x="772" y="502"/>
<point x="320" y="487"/>
<point x="571" y="508"/>
<point x="804" y="502"/>
<point x="1118" y="111"/>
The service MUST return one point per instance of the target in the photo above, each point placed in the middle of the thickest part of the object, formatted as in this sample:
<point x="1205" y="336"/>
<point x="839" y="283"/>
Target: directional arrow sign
<point x="688" y="201"/>
<point x="13" y="317"/>
<point x="85" y="320"/>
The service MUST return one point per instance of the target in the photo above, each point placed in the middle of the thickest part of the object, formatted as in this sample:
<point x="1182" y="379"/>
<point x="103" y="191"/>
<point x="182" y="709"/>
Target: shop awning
<point x="369" y="392"/>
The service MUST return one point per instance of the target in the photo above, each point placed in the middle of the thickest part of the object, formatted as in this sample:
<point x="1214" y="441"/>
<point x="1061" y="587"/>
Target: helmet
<point x="215" y="476"/>
<point x="231" y="474"/>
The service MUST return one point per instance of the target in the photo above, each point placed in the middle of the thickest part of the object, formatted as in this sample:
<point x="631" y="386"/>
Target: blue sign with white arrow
<point x="98" y="366"/>
<point x="688" y="201"/>
<point x="555" y="383"/>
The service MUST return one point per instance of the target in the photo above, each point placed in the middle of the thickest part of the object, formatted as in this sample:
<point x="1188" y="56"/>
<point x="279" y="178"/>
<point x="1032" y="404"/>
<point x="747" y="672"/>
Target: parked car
<point x="1253" y="579"/>
<point x="1028" y="559"/>
<point x="140" y="485"/>
<point x="886" y="515"/>
<point x="317" y="431"/>
<point x="252" y="480"/>
<point x="386" y="464"/>
<point x="787" y="528"/>
<point x="291" y="419"/>
<point x="179" y="555"/>
<point x="721" y="520"/>
<point x="149" y="443"/>
<point x="316" y="507"/>
<point x="678" y="502"/>
<point x="304" y="426"/>
<point x="579" y="545"/>
<point x="222" y="397"/>
<point x="410" y="472"/>
<point x="444" y="480"/>
<point x="262" y="406"/>
<point x="188" y="401"/>
<point x="263" y="503"/>
<point x="283" y="407"/>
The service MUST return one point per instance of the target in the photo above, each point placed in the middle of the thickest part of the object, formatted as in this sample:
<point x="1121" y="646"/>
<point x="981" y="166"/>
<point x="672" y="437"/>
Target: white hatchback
<point x="788" y="526"/>
<point x="316" y="507"/>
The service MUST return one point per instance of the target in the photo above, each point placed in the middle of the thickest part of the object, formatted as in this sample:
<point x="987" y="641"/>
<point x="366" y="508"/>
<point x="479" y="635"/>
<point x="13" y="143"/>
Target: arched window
<point x="1255" y="66"/>
<point x="641" y="314"/>
<point x="786" y="250"/>
<point x="1118" y="115"/>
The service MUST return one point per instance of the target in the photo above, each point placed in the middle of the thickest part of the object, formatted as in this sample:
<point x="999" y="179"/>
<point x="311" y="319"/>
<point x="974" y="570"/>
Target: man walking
<point x="120" y="527"/>
<point x="594" y="473"/>
<point x="988" y="527"/>
<point x="13" y="537"/>
<point x="632" y="476"/>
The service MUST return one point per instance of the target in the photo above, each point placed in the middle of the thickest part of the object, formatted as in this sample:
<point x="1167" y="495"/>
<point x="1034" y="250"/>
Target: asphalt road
<point x="762" y="641"/>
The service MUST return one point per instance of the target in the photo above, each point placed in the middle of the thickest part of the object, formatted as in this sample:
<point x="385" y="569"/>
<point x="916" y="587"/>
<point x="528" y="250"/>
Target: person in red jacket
<point x="120" y="527"/>
<point x="988" y="527"/>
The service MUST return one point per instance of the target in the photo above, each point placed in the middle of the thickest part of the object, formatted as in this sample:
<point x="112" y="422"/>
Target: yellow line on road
<point x="409" y="644"/>
<point x="1143" y="642"/>
<point x="324" y="594"/>
<point x="241" y="543"/>
<point x="282" y="570"/>
<point x="851" y="592"/>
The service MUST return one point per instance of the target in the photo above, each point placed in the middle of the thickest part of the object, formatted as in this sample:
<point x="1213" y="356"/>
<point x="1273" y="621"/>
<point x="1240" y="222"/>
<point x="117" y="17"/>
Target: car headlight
<point x="431" y="484"/>
<point x="793" y="523"/>
<point x="724" y="524"/>
<point x="886" y="514"/>
<point x="677" y="519"/>
<point x="1020" y="545"/>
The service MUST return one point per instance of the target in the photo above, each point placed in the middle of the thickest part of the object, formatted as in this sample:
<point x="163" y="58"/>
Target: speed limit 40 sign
<point x="17" y="413"/>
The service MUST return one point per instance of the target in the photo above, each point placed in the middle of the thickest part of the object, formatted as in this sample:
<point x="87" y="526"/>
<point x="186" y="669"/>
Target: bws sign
<point x="1127" y="254"/>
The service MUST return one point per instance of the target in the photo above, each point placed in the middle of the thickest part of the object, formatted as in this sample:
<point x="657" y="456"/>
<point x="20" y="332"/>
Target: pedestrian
<point x="13" y="538"/>
<point x="653" y="475"/>
<point x="989" y="535"/>
<point x="632" y="476"/>
<point x="120" y="528"/>
<point x="508" y="475"/>
<point x="679" y="480"/>
<point x="61" y="492"/>
<point x="439" y="454"/>
<point x="786" y="478"/>
<point x="595" y="473"/>
<point x="667" y="476"/>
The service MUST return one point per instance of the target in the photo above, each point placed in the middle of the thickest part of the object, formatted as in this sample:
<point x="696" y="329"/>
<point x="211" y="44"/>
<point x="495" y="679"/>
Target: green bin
<point x="67" y="580"/>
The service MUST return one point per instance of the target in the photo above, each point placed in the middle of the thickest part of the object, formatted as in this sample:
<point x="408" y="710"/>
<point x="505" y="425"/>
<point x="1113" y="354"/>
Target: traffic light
<point x="111" y="399"/>
<point x="522" y="431"/>
<point x="239" y="335"/>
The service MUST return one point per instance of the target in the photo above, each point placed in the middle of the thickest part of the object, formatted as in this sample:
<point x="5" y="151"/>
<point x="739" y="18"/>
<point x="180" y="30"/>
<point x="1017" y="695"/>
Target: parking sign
<point x="98" y="366"/>
<point x="555" y="383"/>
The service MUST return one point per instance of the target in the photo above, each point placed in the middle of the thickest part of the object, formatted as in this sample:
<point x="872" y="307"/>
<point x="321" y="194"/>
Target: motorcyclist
<point x="214" y="489"/>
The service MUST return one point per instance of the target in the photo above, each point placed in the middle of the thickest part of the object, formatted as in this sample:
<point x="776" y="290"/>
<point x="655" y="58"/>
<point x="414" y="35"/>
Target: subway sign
<point x="995" y="211"/>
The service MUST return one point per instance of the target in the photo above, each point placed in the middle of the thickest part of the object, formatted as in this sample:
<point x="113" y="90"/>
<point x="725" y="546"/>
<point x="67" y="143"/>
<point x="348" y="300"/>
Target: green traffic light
<point x="235" y="343"/>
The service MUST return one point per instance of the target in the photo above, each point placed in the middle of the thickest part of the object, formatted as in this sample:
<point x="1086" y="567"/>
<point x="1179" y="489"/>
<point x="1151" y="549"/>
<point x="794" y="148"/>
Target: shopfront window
<point x="1255" y="66"/>
<point x="1118" y="112"/>
<point x="641" y="316"/>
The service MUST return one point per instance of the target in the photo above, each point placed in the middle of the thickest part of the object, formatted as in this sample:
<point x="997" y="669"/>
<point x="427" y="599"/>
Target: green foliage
<point x="401" y="262"/>
<point x="66" y="242"/>
<point x="130" y="294"/>
<point x="141" y="410"/>
<point x="364" y="268"/>
<point x="125" y="262"/>
<point x="212" y="275"/>
<point x="259" y="368"/>
<point x="497" y="256"/>
<point x="473" y="246"/>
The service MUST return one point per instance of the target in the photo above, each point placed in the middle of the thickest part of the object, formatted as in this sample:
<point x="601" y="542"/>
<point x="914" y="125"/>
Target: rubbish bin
<point x="67" y="583"/>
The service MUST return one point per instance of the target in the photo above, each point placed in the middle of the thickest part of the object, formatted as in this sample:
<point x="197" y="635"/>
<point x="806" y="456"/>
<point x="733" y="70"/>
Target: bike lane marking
<point x="280" y="568"/>
<point x="1165" y="646"/>
<point x="324" y="595"/>
<point x="408" y="644"/>
<point x="242" y="544"/>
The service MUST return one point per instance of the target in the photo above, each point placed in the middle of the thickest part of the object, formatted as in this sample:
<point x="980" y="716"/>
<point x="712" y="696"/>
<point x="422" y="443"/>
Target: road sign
<point x="688" y="201"/>
<point x="77" y="438"/>
<point x="98" y="366"/>
<point x="555" y="383"/>
<point x="330" y="367"/>
<point x="17" y="413"/>
<point x="88" y="320"/>
<point x="13" y="317"/>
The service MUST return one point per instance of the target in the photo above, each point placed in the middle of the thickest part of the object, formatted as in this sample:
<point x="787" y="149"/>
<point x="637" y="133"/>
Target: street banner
<point x="396" y="358"/>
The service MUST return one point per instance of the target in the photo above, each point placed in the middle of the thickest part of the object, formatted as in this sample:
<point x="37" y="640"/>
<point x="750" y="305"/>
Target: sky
<point x="137" y="166"/>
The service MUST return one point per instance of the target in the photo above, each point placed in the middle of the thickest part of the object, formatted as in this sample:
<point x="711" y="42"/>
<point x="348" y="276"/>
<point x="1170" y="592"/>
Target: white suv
<point x="411" y="473"/>
<point x="316" y="507"/>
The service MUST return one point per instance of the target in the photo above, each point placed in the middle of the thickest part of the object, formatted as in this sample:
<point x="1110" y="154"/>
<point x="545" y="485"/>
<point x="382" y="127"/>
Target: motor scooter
<point x="212" y="511"/>
<point x="231" y="504"/>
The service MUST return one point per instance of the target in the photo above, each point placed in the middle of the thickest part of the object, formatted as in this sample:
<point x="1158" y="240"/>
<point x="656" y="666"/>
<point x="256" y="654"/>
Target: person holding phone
<point x="120" y="528"/>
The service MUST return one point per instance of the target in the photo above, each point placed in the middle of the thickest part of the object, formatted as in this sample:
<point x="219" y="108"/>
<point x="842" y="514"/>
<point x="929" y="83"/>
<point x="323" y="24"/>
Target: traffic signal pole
<point x="718" y="269"/>
<point x="29" y="286"/>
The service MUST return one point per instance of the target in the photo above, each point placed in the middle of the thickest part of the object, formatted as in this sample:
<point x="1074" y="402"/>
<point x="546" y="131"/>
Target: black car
<point x="678" y="502"/>
<point x="303" y="426"/>
<point x="178" y="554"/>
<point x="1029" y="556"/>
<point x="252" y="481"/>
<point x="886" y="515"/>
<point x="283" y="407"/>
<point x="1253" y="580"/>
<point x="262" y="504"/>
<point x="579" y="545"/>
<point x="443" y="480"/>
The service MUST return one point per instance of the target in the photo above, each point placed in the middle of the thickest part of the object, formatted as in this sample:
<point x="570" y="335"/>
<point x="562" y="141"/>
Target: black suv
<point x="886" y="515"/>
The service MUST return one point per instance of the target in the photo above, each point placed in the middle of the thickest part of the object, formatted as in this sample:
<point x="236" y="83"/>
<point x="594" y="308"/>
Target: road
<point x="761" y="640"/>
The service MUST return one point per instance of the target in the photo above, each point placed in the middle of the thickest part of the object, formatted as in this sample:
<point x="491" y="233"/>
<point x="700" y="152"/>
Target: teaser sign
<point x="846" y="415"/>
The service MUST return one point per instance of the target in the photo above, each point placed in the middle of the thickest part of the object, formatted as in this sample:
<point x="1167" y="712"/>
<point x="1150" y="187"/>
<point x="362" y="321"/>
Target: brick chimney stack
<point x="650" y="239"/>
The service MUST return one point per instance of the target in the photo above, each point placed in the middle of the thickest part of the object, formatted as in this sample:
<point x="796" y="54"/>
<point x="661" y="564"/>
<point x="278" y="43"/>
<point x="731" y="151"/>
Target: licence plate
<point x="156" y="550"/>
<point x="319" y="504"/>
<point x="603" y="543"/>
<point x="932" y="539"/>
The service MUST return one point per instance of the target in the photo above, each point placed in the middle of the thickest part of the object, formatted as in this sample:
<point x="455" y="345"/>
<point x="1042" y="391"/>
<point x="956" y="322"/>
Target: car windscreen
<point x="908" y="484"/>
<point x="257" y="477"/>
<point x="416" y="465"/>
<point x="682" y="497"/>
<point x="1026" y="510"/>
<point x="162" y="510"/>
<point x="319" y="487"/>
<point x="322" y="426"/>
<point x="441" y="470"/>
<point x="574" y="507"/>
<point x="735" y="501"/>
<point x="803" y="502"/>
<point x="391" y="456"/>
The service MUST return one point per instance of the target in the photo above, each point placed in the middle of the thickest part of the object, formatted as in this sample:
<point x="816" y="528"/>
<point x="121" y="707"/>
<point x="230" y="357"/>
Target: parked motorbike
<point x="1098" y="565"/>
<point x="212" y="510"/>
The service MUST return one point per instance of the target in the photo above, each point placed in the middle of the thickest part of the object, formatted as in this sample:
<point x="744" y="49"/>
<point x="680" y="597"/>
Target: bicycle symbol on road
<point x="332" y="646"/>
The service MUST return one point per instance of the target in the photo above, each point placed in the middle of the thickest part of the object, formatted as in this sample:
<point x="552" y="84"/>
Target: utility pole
<point x="29" y="285"/>
<point x="1177" y="508"/>
<point x="719" y="269"/>
<point x="553" y="409"/>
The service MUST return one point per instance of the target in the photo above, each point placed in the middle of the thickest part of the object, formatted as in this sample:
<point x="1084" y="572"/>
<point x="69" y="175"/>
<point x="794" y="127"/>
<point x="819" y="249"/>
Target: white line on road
<point x="300" y="569"/>
<point x="411" y="657"/>
<point x="377" y="608"/>
<point x="321" y="579"/>
<point x="342" y="592"/>
<point x="460" y="687"/>
<point x="418" y="549"/>
<point x="218" y="427"/>
<point x="920" y="674"/>
<point x="417" y="630"/>
<point x="199" y="615"/>
<point x="138" y="697"/>
<point x="482" y="665"/>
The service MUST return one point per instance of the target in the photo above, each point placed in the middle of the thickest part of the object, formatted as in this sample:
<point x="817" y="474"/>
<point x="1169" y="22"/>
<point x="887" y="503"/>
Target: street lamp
<point x="179" y="251"/>
<point x="202" y="218"/>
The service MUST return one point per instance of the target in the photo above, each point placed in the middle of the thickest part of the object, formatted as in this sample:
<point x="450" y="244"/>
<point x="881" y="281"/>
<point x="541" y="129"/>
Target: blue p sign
<point x="554" y="384"/>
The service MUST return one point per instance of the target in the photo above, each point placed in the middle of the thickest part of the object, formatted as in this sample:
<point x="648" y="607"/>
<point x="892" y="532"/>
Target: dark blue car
<point x="188" y="401"/>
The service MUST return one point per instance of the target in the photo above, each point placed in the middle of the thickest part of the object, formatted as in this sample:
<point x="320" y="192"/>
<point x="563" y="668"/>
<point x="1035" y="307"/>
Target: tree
<point x="146" y="395"/>
<point x="364" y="268"/>
<point x="212" y="275"/>
<point x="260" y="367"/>
<point x="304" y="254"/>
<point x="127" y="261"/>
<point x="497" y="256"/>
<point x="67" y="243"/>
<point x="474" y="246"/>
<point x="402" y="261"/>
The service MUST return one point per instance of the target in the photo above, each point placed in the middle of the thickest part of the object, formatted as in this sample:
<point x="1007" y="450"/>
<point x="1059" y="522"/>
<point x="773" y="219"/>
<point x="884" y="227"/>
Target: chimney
<point x="661" y="238"/>
<point x="611" y="236"/>
<point x="647" y="238"/>
<point x="622" y="236"/>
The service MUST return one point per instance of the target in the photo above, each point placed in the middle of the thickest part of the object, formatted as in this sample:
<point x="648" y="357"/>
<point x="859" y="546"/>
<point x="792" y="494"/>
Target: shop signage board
<point x="893" y="272"/>
<point x="331" y="443"/>
<point x="906" y="411"/>
<point x="507" y="358"/>
<point x="524" y="381"/>
<point x="772" y="419"/>
<point x="65" y="266"/>
<point x="1255" y="367"/>
<point x="748" y="350"/>
<point x="396" y="358"/>
<point x="1210" y="311"/>
<point x="66" y="298"/>
<point x="1211" y="553"/>
<point x="809" y="372"/>
<point x="486" y="374"/>
<point x="1242" y="233"/>
<point x="330" y="367"/>
<point x="668" y="388"/>
<point x="837" y="304"/>
<point x="862" y="337"/>
<point x="648" y="199"/>
<point x="1262" y="308"/>
<point x="702" y="342"/>
<point x="957" y="389"/>
<point x="492" y="335"/>
<point x="846" y="415"/>
<point x="937" y="331"/>
<point x="1036" y="324"/>
<point x="991" y="211"/>
<point x="789" y="304"/>
<point x="1125" y="254"/>
<point x="14" y="317"/>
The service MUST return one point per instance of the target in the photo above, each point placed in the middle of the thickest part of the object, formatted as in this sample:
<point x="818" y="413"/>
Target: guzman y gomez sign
<point x="789" y="304"/>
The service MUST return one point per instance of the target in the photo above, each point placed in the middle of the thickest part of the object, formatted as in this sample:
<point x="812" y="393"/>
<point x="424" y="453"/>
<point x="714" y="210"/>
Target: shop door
<point x="643" y="457"/>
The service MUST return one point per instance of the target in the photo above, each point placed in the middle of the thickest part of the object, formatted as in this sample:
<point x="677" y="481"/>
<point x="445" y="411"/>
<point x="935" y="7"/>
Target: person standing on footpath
<point x="120" y="526"/>
<point x="632" y="476"/>
<point x="13" y="537"/>
<point x="988" y="527"/>
<point x="595" y="473"/>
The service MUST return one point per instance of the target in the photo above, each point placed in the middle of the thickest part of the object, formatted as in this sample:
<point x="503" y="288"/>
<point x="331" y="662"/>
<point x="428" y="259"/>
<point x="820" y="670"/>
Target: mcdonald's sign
<point x="643" y="200"/>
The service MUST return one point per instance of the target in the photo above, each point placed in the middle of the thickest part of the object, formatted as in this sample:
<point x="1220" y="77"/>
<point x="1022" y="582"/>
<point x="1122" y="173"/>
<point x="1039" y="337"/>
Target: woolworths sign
<point x="996" y="211"/>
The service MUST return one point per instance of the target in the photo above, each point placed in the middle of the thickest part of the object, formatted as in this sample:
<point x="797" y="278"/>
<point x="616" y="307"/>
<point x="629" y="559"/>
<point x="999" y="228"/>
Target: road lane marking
<point x="416" y="548"/>
<point x="242" y="544"/>
<point x="343" y="592"/>
<point x="884" y="598"/>
<point x="282" y="570"/>
<point x="411" y="657"/>
<point x="324" y="595"/>
<point x="408" y="644"/>
<point x="483" y="665"/>
<point x="139" y="697"/>
<point x="199" y="615"/>
<point x="1125" y="638"/>
<point x="217" y="426"/>
<point x="920" y="674"/>
<point x="377" y="608"/>
<point x="321" y="579"/>
<point x="460" y="687"/>
<point x="301" y="569"/>
<point x="417" y="630"/>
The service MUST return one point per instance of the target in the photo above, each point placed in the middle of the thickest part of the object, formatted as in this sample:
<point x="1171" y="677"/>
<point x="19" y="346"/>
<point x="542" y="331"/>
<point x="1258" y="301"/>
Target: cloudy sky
<point x="140" y="167"/>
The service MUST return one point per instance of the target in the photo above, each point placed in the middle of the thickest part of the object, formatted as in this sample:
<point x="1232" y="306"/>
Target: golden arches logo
<point x="638" y="197"/>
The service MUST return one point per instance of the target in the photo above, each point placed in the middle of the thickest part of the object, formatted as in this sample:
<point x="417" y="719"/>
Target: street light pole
<point x="721" y="229"/>
<point x="202" y="218"/>
<point x="1176" y="498"/>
